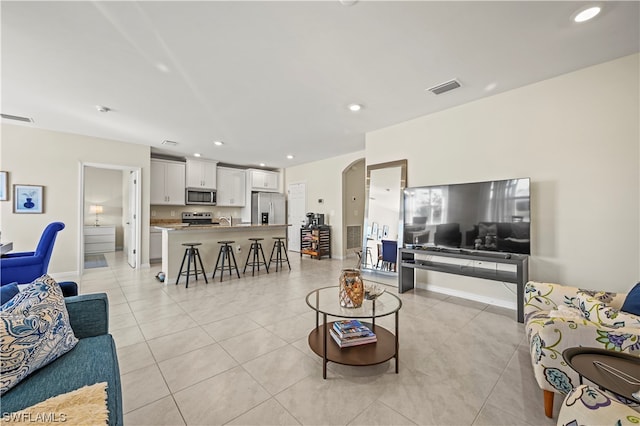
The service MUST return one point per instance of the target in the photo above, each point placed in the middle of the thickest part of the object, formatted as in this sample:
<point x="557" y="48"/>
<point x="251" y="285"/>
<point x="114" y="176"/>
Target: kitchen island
<point x="174" y="235"/>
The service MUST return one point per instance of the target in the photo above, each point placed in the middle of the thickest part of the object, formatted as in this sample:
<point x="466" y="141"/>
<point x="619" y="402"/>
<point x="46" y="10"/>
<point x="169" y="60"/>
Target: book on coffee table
<point x="348" y="341"/>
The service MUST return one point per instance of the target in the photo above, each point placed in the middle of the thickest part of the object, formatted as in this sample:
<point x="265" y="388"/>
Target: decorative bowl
<point x="372" y="291"/>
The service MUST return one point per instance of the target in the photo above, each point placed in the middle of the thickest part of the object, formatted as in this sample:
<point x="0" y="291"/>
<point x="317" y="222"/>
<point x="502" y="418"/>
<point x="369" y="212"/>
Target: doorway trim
<point x="138" y="174"/>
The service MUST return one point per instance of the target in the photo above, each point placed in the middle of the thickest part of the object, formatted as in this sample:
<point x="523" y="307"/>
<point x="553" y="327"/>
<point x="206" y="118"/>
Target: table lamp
<point x="97" y="209"/>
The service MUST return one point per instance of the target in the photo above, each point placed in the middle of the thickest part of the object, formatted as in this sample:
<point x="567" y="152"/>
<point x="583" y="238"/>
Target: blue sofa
<point x="92" y="360"/>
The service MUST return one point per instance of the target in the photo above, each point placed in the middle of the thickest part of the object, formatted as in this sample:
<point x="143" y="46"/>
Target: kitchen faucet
<point x="228" y="219"/>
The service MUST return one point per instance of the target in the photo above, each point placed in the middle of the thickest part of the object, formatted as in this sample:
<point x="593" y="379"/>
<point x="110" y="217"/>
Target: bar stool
<point x="191" y="253"/>
<point x="255" y="246"/>
<point x="278" y="248"/>
<point x="225" y="249"/>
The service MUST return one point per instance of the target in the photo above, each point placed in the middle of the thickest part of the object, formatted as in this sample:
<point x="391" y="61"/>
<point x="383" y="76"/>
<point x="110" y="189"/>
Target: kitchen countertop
<point x="185" y="227"/>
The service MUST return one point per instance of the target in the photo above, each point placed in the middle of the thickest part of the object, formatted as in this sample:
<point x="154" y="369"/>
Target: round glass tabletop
<point x="326" y="300"/>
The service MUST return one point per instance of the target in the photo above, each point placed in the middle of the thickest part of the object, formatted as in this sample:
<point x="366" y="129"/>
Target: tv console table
<point x="409" y="263"/>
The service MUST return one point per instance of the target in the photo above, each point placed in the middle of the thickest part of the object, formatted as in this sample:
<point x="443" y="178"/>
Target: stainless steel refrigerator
<point x="270" y="204"/>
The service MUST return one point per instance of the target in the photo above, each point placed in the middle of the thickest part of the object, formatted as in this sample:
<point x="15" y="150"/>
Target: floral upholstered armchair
<point x="558" y="317"/>
<point x="587" y="405"/>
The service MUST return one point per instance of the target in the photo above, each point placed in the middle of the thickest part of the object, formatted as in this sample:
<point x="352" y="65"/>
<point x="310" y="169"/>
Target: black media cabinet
<point x="409" y="263"/>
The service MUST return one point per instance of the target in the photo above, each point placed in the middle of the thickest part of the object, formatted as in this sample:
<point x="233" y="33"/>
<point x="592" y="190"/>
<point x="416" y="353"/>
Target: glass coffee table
<point x="325" y="301"/>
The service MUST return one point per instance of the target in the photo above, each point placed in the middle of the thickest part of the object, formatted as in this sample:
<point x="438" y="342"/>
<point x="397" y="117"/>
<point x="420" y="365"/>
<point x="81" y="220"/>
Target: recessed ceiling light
<point x="289" y="157"/>
<point x="197" y="154"/>
<point x="262" y="164"/>
<point x="218" y="143"/>
<point x="587" y="14"/>
<point x="162" y="67"/>
<point x="355" y="107"/>
<point x="102" y="108"/>
<point x="491" y="86"/>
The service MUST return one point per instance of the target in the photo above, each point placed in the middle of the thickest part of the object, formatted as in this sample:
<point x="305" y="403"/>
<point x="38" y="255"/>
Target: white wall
<point x="577" y="137"/>
<point x="53" y="159"/>
<point x="324" y="181"/>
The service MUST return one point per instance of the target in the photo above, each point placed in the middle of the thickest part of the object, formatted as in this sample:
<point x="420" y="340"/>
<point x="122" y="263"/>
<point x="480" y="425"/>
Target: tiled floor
<point x="236" y="352"/>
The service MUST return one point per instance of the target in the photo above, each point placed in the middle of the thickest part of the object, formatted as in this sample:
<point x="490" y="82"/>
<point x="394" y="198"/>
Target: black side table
<point x="612" y="371"/>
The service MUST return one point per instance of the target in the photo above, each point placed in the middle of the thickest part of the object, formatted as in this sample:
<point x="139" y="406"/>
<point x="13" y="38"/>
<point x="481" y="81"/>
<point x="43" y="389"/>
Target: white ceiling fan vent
<point x="17" y="118"/>
<point x="444" y="87"/>
<point x="169" y="143"/>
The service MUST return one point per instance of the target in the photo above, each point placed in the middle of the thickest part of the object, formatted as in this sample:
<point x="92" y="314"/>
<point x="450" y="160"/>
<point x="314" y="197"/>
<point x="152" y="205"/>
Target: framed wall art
<point x="4" y="186"/>
<point x="28" y="198"/>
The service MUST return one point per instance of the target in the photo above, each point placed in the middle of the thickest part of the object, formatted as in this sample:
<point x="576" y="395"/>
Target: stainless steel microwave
<point x="205" y="197"/>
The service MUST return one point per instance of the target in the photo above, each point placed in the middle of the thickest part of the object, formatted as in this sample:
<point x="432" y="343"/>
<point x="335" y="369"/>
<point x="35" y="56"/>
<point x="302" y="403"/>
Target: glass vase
<point x="351" y="288"/>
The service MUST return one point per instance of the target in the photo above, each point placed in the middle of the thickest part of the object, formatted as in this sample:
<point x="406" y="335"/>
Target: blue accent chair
<point x="24" y="267"/>
<point x="389" y="254"/>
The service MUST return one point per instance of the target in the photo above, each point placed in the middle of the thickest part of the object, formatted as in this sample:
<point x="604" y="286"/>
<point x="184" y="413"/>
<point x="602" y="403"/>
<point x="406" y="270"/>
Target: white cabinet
<point x="155" y="244"/>
<point x="99" y="239"/>
<point x="231" y="187"/>
<point x="201" y="174"/>
<point x="264" y="180"/>
<point x="167" y="182"/>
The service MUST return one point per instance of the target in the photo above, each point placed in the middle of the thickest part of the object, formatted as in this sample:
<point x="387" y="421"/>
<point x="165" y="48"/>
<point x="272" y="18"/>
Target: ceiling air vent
<point x="17" y="118"/>
<point x="169" y="143"/>
<point x="444" y="87"/>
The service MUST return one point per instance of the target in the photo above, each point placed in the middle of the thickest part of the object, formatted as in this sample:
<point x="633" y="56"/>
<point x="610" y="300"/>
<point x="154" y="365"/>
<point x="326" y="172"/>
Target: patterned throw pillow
<point x="34" y="330"/>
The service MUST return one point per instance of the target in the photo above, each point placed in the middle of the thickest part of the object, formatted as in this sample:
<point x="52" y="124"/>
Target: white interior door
<point x="296" y="213"/>
<point x="130" y="230"/>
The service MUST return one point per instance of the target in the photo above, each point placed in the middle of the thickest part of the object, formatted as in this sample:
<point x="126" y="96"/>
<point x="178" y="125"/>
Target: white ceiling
<point x="275" y="78"/>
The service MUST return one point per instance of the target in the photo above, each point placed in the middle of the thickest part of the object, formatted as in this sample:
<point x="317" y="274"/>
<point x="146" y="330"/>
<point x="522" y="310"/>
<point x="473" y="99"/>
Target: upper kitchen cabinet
<point x="264" y="180"/>
<point x="201" y="174"/>
<point x="231" y="187"/>
<point x="167" y="182"/>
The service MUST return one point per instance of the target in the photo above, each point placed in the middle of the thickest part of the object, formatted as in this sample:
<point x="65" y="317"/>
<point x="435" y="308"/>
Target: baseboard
<point x="469" y="296"/>
<point x="64" y="276"/>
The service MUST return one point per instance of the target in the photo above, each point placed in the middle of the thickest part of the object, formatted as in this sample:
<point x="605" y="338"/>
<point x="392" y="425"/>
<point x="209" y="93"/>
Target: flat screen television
<point x="490" y="216"/>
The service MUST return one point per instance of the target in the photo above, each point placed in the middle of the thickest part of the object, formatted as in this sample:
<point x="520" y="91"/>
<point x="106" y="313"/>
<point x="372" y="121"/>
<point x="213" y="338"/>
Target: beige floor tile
<point x="134" y="357"/>
<point x="127" y="336"/>
<point x="379" y="414"/>
<point x="125" y="320"/>
<point x="163" y="412"/>
<point x="195" y="366"/>
<point x="447" y="402"/>
<point x="280" y="369"/>
<point x="221" y="398"/>
<point x="252" y="344"/>
<point x="518" y="394"/>
<point x="493" y="416"/>
<point x="165" y="326"/>
<point x="335" y="401"/>
<point x="230" y="327"/>
<point x="154" y="313"/>
<point x="141" y="387"/>
<point x="172" y="345"/>
<point x="295" y="328"/>
<point x="269" y="412"/>
<point x="119" y="309"/>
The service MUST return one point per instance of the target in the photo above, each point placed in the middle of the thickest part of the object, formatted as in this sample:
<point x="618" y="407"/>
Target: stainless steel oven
<point x="205" y="197"/>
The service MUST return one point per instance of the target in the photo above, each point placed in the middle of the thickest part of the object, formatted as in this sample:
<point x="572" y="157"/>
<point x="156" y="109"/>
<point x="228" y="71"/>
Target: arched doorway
<point x="353" y="206"/>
